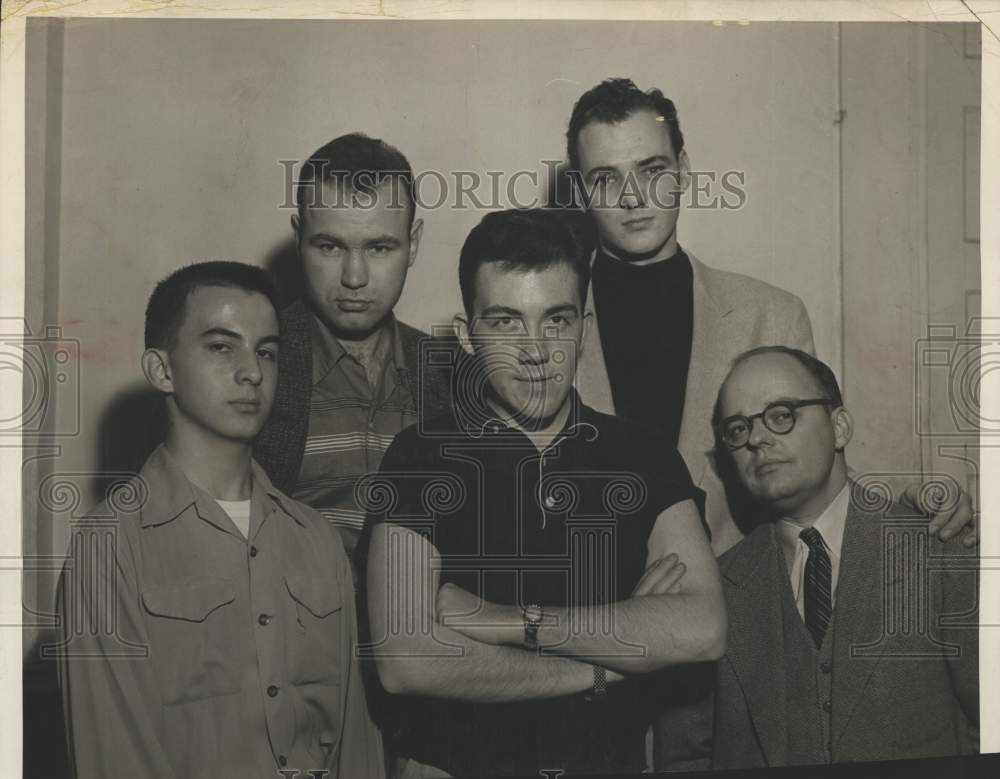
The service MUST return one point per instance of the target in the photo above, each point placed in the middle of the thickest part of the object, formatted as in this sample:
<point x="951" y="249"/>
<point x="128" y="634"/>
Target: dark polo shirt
<point x="566" y="526"/>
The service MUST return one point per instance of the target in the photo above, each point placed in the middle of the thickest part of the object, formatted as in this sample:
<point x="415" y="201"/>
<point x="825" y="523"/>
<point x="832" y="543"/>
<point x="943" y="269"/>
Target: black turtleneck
<point x="645" y="318"/>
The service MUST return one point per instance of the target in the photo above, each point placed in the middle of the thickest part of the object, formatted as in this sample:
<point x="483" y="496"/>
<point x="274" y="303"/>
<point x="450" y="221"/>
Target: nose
<point x="535" y="349"/>
<point x="759" y="434"/>
<point x="632" y="195"/>
<point x="354" y="273"/>
<point x="249" y="370"/>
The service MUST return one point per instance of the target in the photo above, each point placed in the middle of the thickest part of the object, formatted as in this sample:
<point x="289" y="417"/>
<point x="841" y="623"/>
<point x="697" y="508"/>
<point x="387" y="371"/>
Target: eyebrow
<point x="267" y="339"/>
<point x="507" y="311"/>
<point x="327" y="237"/>
<point x="498" y="310"/>
<point x="655" y="158"/>
<point x="221" y="331"/>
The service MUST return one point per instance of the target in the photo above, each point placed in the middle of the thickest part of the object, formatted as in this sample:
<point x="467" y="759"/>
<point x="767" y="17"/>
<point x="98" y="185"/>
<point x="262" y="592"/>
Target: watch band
<point x="600" y="684"/>
<point x="532" y="615"/>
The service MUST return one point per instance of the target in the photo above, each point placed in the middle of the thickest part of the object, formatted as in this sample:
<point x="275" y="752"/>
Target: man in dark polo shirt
<point x="529" y="559"/>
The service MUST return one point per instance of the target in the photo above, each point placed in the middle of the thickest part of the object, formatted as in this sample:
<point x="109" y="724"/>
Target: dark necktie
<point x="818" y="596"/>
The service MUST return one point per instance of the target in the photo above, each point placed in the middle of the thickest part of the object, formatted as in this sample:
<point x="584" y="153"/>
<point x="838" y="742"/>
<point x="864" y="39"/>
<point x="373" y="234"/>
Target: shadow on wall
<point x="45" y="755"/>
<point x="282" y="262"/>
<point x="133" y="424"/>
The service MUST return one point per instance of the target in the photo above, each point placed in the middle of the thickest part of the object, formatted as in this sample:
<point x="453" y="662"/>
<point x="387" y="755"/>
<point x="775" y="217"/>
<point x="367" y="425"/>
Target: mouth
<point x="768" y="467"/>
<point x="353" y="305"/>
<point x="246" y="406"/>
<point x="635" y="225"/>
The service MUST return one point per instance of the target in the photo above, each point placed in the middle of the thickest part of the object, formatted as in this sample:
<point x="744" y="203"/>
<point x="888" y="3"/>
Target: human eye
<point x="267" y="353"/>
<point x="780" y="415"/>
<point x="380" y="250"/>
<point x="327" y="247"/>
<point x="220" y="347"/>
<point x="735" y="429"/>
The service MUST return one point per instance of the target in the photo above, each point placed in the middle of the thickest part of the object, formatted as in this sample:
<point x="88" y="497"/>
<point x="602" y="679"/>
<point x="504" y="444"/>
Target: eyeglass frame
<point x="791" y="405"/>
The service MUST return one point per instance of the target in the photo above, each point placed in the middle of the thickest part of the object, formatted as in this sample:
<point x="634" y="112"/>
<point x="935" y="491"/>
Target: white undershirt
<point x="830" y="525"/>
<point x="239" y="512"/>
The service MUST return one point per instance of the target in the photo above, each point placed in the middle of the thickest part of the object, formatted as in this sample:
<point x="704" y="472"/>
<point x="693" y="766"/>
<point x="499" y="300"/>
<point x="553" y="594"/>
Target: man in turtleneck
<point x="667" y="325"/>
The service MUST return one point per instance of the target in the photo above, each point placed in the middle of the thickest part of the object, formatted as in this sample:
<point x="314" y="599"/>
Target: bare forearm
<point x="485" y="673"/>
<point x="639" y="634"/>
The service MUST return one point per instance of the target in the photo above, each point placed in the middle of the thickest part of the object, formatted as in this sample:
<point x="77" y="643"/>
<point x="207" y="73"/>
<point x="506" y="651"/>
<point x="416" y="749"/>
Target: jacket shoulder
<point x="740" y="286"/>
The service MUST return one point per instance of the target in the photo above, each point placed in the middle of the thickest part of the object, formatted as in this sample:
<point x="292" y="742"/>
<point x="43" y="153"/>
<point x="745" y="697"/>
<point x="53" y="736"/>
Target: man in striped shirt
<point x="350" y="377"/>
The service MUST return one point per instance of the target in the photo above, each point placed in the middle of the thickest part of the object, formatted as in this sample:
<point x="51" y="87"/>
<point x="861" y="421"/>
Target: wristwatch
<point x="600" y="684"/>
<point x="532" y="616"/>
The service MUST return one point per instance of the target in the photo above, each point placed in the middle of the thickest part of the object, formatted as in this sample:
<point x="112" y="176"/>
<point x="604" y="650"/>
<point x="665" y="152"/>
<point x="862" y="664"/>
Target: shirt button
<point x="827" y="706"/>
<point x="282" y="761"/>
<point x="272" y="691"/>
<point x="826" y="666"/>
<point x="264" y="619"/>
<point x="253" y="551"/>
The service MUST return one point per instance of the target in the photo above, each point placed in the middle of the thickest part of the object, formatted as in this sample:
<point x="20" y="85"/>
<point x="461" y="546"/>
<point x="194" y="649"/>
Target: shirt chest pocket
<point x="192" y="631"/>
<point x="315" y="632"/>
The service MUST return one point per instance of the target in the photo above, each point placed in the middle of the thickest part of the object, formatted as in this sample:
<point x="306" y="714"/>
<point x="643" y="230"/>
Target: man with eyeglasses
<point x="666" y="325"/>
<point x="842" y="647"/>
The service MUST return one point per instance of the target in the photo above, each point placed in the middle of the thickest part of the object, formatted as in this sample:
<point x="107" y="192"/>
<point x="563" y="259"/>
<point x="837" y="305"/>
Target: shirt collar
<point x="580" y="421"/>
<point x="327" y="351"/>
<point x="830" y="525"/>
<point x="169" y="492"/>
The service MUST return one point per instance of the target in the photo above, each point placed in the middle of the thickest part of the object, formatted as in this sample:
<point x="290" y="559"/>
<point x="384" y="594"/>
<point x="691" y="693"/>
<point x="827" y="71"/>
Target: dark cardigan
<point x="280" y="445"/>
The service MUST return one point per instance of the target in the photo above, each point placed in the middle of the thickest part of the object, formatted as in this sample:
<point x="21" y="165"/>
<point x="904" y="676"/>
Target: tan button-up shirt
<point x="191" y="651"/>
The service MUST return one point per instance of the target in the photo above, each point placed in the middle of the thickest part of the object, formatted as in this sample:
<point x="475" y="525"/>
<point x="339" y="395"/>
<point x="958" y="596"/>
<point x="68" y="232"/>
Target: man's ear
<point x="843" y="427"/>
<point x="461" y="323"/>
<point x="297" y="228"/>
<point x="416" y="232"/>
<point x="684" y="170"/>
<point x="156" y="369"/>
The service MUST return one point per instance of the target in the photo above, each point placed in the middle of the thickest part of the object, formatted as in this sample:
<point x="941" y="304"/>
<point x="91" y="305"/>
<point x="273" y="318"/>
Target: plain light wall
<point x="162" y="140"/>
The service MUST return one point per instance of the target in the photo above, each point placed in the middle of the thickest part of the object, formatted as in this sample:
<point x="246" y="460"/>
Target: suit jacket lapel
<point x="707" y="367"/>
<point x="858" y="614"/>
<point x="592" y="374"/>
<point x="756" y="645"/>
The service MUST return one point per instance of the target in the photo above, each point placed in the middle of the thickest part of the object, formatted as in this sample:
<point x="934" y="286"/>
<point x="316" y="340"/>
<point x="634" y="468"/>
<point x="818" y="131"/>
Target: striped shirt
<point x="351" y="424"/>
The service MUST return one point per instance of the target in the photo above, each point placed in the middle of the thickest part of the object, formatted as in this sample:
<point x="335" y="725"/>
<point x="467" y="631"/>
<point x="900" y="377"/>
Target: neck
<point x="541" y="432"/>
<point x="806" y="513"/>
<point x="665" y="252"/>
<point x="220" y="467"/>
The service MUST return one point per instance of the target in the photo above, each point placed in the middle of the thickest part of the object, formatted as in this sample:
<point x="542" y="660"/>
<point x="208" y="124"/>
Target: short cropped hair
<point x="818" y="369"/>
<point x="167" y="305"/>
<point x="360" y="163"/>
<point x="615" y="100"/>
<point x="524" y="239"/>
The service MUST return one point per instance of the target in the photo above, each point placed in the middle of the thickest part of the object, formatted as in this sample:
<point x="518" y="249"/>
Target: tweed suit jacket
<point x="280" y="446"/>
<point x="895" y="695"/>
<point x="732" y="313"/>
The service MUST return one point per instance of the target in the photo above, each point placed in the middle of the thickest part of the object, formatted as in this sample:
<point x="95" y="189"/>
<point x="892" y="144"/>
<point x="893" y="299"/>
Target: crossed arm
<point x="656" y="627"/>
<point x="445" y="642"/>
<point x="416" y="655"/>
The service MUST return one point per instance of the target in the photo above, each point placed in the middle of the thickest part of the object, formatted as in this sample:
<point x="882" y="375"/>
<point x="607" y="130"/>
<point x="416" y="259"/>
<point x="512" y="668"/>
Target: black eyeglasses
<point x="779" y="417"/>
